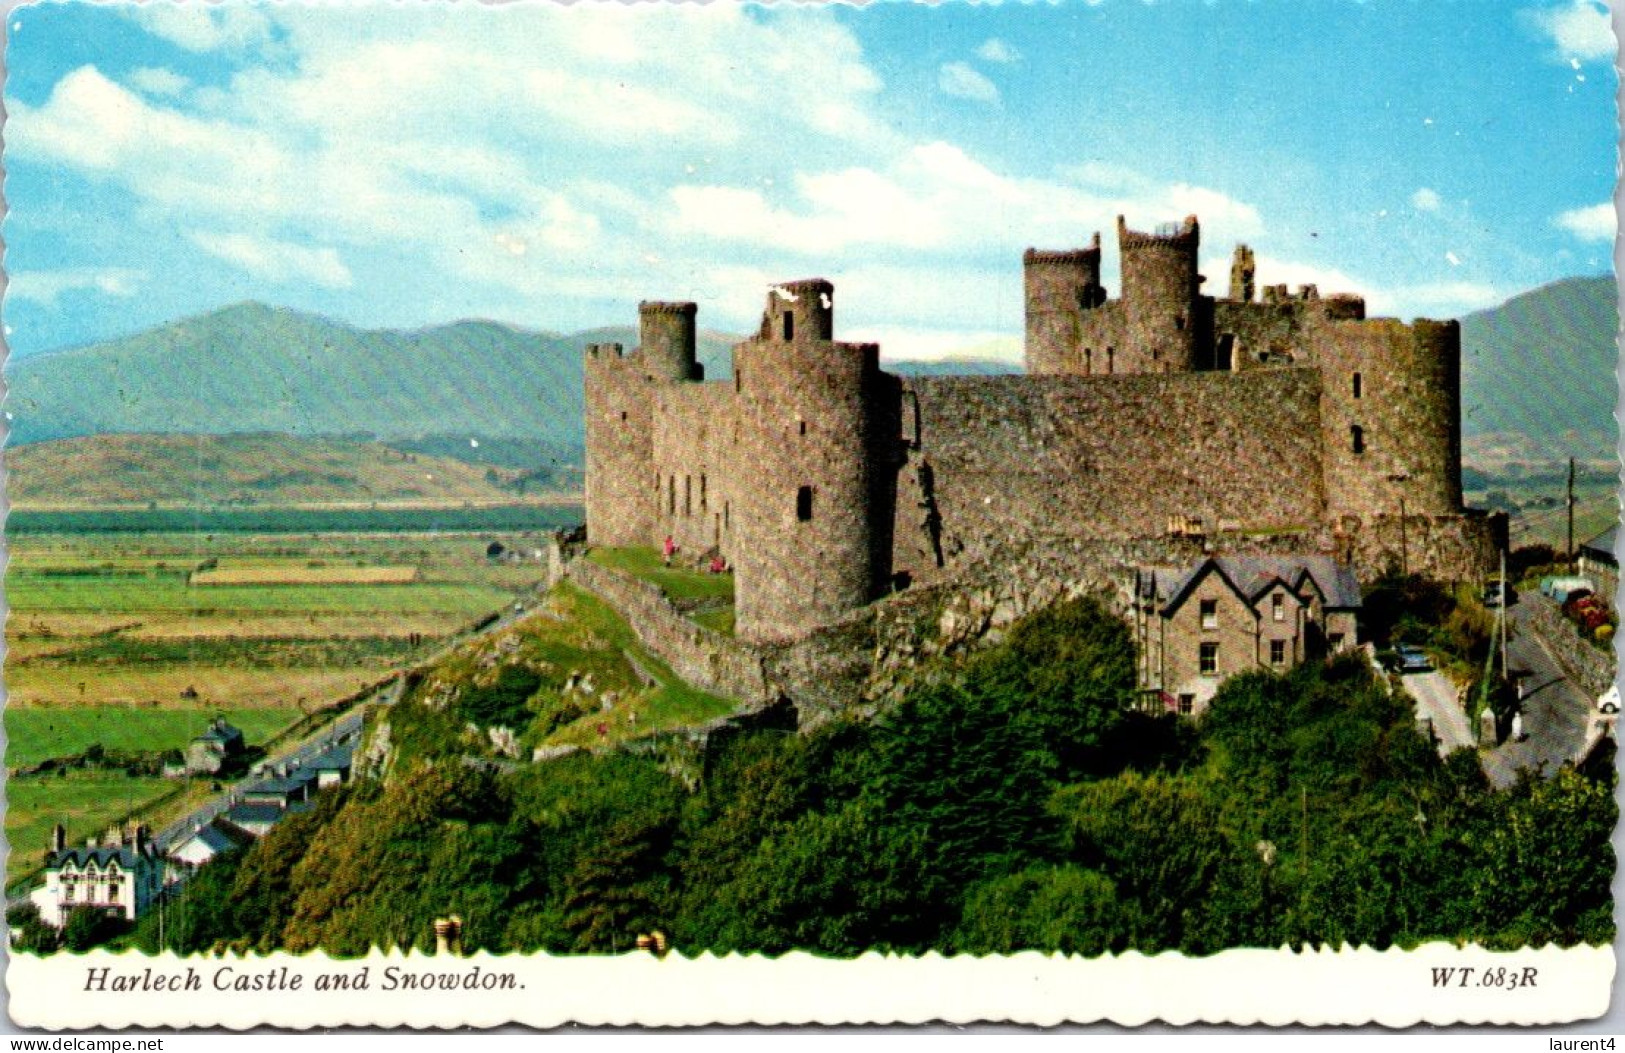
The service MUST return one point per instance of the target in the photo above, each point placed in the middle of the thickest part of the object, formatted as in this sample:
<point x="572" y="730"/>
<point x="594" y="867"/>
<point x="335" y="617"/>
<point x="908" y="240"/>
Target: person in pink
<point x="667" y="549"/>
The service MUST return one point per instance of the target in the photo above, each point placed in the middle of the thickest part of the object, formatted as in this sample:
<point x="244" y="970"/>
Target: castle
<point x="1246" y="421"/>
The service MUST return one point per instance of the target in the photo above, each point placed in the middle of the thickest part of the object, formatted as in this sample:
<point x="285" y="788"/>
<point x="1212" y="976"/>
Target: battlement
<point x="803" y="309"/>
<point x="672" y="307"/>
<point x="605" y="350"/>
<point x="1184" y="236"/>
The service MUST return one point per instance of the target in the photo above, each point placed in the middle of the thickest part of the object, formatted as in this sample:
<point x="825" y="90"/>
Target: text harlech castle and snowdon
<point x="1289" y="420"/>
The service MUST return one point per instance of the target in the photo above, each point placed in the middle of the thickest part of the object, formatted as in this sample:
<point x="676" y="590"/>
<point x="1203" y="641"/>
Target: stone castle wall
<point x="1009" y="458"/>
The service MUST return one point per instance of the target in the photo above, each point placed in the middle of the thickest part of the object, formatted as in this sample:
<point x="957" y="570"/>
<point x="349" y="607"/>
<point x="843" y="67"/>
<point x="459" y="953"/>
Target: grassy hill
<point x="476" y="391"/>
<point x="248" y="470"/>
<point x="1542" y="365"/>
<point x="253" y="368"/>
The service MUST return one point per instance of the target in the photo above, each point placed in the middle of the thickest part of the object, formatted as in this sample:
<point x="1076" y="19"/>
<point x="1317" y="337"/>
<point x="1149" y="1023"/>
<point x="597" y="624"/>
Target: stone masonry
<point x="1163" y="414"/>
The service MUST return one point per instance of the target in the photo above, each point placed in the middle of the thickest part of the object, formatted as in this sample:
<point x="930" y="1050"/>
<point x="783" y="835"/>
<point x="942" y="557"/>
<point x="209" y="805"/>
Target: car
<point x="1408" y="659"/>
<point x="1609" y="702"/>
<point x="1497" y="593"/>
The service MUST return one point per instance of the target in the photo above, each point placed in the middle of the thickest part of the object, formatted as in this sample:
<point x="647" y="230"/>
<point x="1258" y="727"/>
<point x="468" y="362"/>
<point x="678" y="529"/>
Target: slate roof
<point x="1253" y="576"/>
<point x="1601" y="547"/>
<point x="218" y="838"/>
<point x="220" y="732"/>
<point x="254" y="814"/>
<point x="337" y="758"/>
<point x="281" y="787"/>
<point x="83" y="855"/>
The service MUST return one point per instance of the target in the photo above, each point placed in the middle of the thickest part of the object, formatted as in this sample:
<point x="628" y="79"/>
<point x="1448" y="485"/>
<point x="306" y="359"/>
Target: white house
<point x="122" y="879"/>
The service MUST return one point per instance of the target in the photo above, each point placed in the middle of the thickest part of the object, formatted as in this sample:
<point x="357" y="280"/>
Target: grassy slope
<point x="206" y="470"/>
<point x="32" y="735"/>
<point x="1543" y="363"/>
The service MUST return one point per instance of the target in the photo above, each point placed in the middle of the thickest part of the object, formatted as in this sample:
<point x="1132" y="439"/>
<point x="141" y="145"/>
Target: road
<point x="346" y="728"/>
<point x="1558" y="716"/>
<point x="1437" y="706"/>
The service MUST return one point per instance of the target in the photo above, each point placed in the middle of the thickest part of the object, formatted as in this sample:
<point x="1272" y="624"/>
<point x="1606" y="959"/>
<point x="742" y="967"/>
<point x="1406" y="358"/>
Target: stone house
<point x="1197" y="625"/>
<point x="215" y="749"/>
<point x="123" y="878"/>
<point x="1600" y="566"/>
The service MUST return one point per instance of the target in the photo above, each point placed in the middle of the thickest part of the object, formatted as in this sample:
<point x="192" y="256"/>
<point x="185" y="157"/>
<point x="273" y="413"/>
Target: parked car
<point x="1408" y="659"/>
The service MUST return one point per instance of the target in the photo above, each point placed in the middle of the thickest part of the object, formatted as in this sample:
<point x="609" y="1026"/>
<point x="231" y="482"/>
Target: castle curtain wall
<point x="1010" y="458"/>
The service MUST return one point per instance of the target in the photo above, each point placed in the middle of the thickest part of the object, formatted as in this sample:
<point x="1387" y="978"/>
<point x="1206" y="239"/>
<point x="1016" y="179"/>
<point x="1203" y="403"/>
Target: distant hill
<point x="1539" y="366"/>
<point x="477" y="391"/>
<point x="249" y="471"/>
<point x="253" y="368"/>
<point x="1542" y="365"/>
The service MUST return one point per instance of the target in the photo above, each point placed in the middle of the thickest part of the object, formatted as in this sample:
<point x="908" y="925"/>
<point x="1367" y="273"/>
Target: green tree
<point x="1043" y="908"/>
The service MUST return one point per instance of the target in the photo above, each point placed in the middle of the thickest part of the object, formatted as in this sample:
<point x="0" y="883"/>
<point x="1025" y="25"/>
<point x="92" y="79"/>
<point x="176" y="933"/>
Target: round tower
<point x="800" y="311"/>
<point x="813" y="537"/>
<point x="1160" y="293"/>
<point x="1059" y="286"/>
<point x="1391" y="416"/>
<point x="666" y="340"/>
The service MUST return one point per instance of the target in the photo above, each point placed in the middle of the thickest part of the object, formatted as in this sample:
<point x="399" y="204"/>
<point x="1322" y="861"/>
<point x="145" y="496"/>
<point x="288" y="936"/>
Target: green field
<point x="114" y="618"/>
<point x="84" y="802"/>
<point x="33" y="735"/>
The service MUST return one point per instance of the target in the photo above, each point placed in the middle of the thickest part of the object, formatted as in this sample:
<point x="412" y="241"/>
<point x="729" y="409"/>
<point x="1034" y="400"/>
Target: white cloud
<point x="935" y="197"/>
<point x="275" y="260"/>
<point x="1425" y="200"/>
<point x="44" y="287"/>
<point x="204" y="26"/>
<point x="158" y="81"/>
<point x="962" y="82"/>
<point x="1449" y="299"/>
<point x="1580" y="29"/>
<point x="1592" y="223"/>
<point x="996" y="50"/>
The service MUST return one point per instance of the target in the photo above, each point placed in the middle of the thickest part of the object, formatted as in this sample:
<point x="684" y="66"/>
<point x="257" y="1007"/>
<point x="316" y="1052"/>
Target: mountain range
<point x="1540" y="366"/>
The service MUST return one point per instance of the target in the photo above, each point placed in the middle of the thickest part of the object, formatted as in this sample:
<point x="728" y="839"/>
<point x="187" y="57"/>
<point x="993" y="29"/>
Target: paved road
<point x="1437" y="706"/>
<point x="1558" y="716"/>
<point x="347" y="728"/>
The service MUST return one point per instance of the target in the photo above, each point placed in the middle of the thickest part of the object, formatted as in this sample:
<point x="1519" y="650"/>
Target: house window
<point x="804" y="504"/>
<point x="112" y="893"/>
<point x="1210" y="614"/>
<point x="1187" y="703"/>
<point x="1357" y="386"/>
<point x="1277" y="652"/>
<point x="1278" y="607"/>
<point x="1357" y="439"/>
<point x="1209" y="660"/>
<point x="69" y="889"/>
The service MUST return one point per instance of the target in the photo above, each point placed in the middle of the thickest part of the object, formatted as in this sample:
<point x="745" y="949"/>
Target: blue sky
<point x="548" y="167"/>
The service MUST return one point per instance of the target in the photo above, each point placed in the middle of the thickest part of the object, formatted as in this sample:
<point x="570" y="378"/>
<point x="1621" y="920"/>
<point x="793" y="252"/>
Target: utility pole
<point x="1404" y="547"/>
<point x="1570" y="551"/>
<point x="1501" y="615"/>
